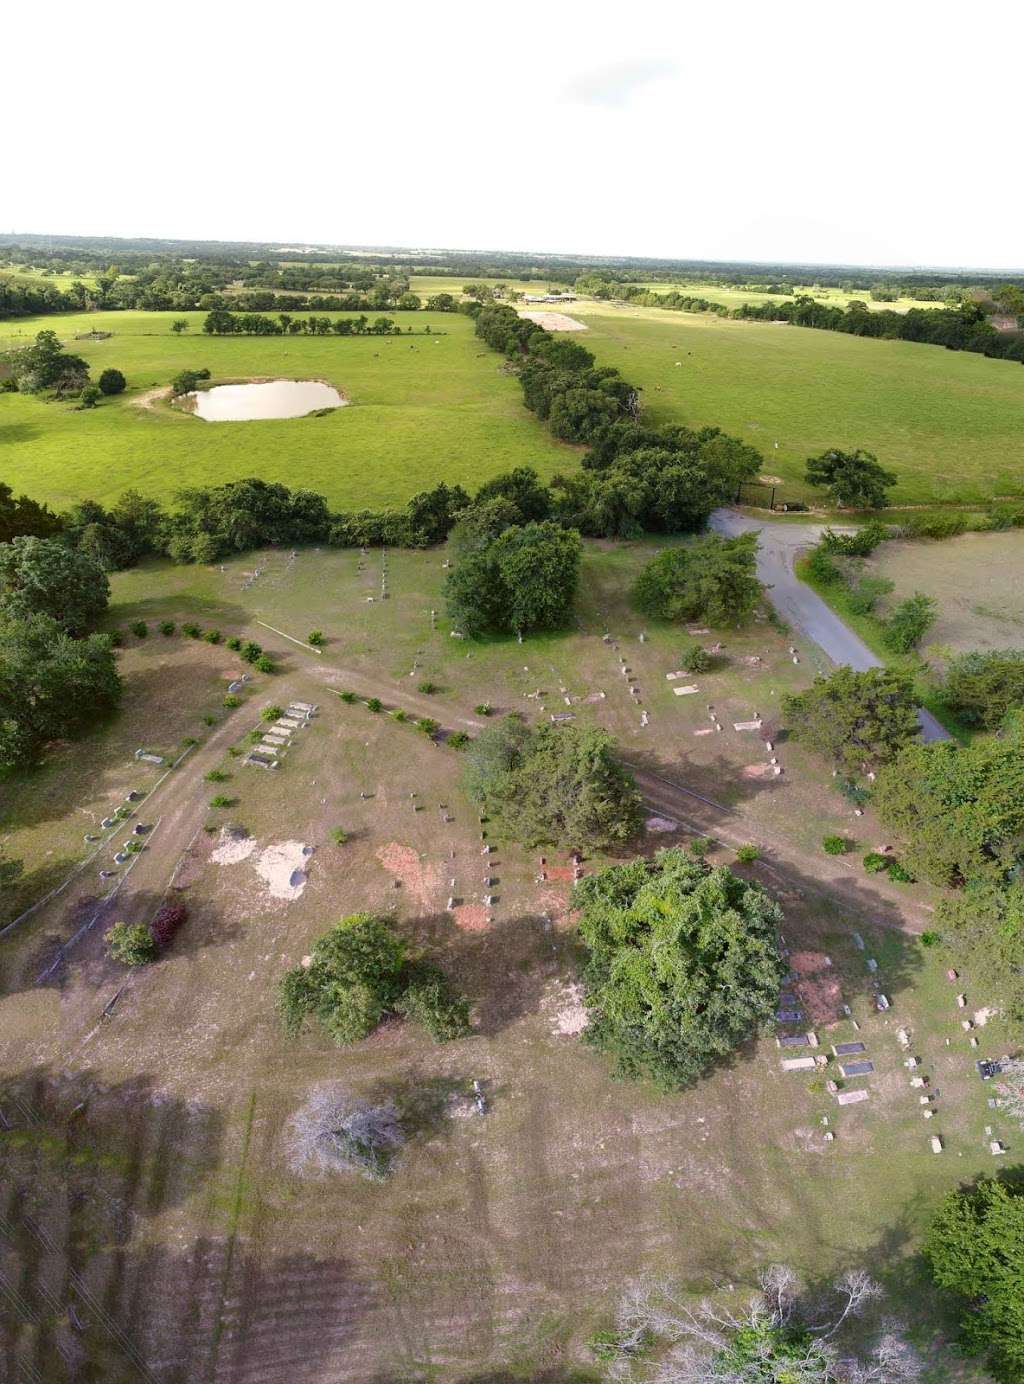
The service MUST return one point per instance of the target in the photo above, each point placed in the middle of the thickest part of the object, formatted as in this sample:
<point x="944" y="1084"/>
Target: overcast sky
<point x="833" y="132"/>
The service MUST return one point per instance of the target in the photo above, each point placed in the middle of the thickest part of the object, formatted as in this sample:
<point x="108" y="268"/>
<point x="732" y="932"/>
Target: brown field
<point x="976" y="580"/>
<point x="153" y="1223"/>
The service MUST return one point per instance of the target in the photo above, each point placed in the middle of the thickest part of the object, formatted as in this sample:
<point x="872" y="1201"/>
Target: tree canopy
<point x="975" y="1247"/>
<point x="982" y="688"/>
<point x="520" y="581"/>
<point x="854" y="718"/>
<point x="51" y="686"/>
<point x="24" y="516"/>
<point x="683" y="964"/>
<point x="361" y="971"/>
<point x="44" y="576"/>
<point x="553" y="785"/>
<point x="852" y="480"/>
<point x="712" y="579"/>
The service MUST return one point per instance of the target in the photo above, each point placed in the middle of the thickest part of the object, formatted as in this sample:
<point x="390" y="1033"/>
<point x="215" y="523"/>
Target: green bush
<point x="231" y="701"/>
<point x="695" y="658"/>
<point x="167" y="627"/>
<point x="399" y="715"/>
<point x="271" y="713"/>
<point x="374" y="704"/>
<point x="875" y="863"/>
<point x="217" y="776"/>
<point x="427" y="725"/>
<point x="428" y="688"/>
<point x="191" y="630"/>
<point x="234" y="643"/>
<point x="112" y="381"/>
<point x="820" y="567"/>
<point x="458" y="740"/>
<point x="900" y="873"/>
<point x="348" y="697"/>
<point x="484" y="709"/>
<point x="930" y="939"/>
<point x="316" y="638"/>
<point x="700" y="846"/>
<point x="139" y="628"/>
<point x="428" y="999"/>
<point x="212" y="636"/>
<point x="339" y="836"/>
<point x="866" y="594"/>
<point x="221" y="800"/>
<point x="130" y="943"/>
<point x="909" y="623"/>
<point x="746" y="855"/>
<point x="251" y="651"/>
<point x="265" y="664"/>
<point x="834" y="845"/>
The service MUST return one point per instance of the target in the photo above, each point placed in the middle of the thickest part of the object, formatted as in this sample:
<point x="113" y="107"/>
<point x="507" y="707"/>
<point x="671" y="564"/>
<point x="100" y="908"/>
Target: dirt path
<point x="149" y="397"/>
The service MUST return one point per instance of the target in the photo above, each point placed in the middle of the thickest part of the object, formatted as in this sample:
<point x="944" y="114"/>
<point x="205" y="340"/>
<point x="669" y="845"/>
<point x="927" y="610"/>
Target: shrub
<point x="746" y="855"/>
<point x="89" y="397"/>
<point x="131" y="943"/>
<point x="316" y="638"/>
<point x="210" y="720"/>
<point x="834" y="845"/>
<point x="339" y="836"/>
<point x="212" y="636"/>
<point x="169" y="918"/>
<point x="909" y="623"/>
<point x="695" y="658"/>
<point x="865" y="595"/>
<point x="348" y="697"/>
<point x="700" y="845"/>
<point x="167" y="627"/>
<point x="427" y="725"/>
<point x="116" y="639"/>
<point x="189" y="740"/>
<point x="458" y="740"/>
<point x="429" y="1000"/>
<point x="251" y="651"/>
<point x="427" y="688"/>
<point x="112" y="382"/>
<point x="930" y="939"/>
<point x="265" y="664"/>
<point x="191" y="630"/>
<point x="900" y="873"/>
<point x="221" y="800"/>
<point x="399" y="715"/>
<point x="874" y="862"/>
<point x="374" y="704"/>
<point x="820" y="567"/>
<point x="983" y="687"/>
<point x="231" y="701"/>
<point x="139" y="628"/>
<point x="217" y="776"/>
<point x="234" y="643"/>
<point x="271" y="713"/>
<point x="484" y="709"/>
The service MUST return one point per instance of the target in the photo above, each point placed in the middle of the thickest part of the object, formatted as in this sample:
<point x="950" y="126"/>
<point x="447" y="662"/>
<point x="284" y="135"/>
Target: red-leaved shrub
<point x="168" y="920"/>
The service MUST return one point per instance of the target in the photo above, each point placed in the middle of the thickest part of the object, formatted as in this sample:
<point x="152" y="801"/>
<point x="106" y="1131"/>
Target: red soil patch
<point x="422" y="881"/>
<point x="818" y="988"/>
<point x="471" y="917"/>
<point x="566" y="872"/>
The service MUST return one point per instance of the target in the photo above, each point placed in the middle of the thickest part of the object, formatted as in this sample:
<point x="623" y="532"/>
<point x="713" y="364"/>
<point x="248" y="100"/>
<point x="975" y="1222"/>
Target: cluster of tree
<point x="359" y="973"/>
<point x="981" y="689"/>
<point x="55" y="678"/>
<point x="961" y="328"/>
<point x="781" y="1335"/>
<point x="553" y="785"/>
<point x="852" y="480"/>
<point x="47" y="366"/>
<point x="222" y="322"/>
<point x="682" y="967"/>
<point x="24" y="516"/>
<point x="212" y="522"/>
<point x="973" y="1249"/>
<point x="713" y="579"/>
<point x="137" y="944"/>
<point x="521" y="580"/>
<point x="635" y="478"/>
<point x="903" y="627"/>
<point x="856" y="720"/>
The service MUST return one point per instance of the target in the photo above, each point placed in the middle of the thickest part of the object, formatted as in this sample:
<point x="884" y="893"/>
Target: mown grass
<point x="421" y="409"/>
<point x="948" y="423"/>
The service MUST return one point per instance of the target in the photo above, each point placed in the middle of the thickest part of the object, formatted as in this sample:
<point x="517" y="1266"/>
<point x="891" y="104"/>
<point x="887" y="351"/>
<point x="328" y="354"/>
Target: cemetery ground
<point x="185" y="1241"/>
<point x="421" y="408"/>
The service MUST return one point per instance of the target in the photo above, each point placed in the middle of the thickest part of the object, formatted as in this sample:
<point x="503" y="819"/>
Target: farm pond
<point x="226" y="403"/>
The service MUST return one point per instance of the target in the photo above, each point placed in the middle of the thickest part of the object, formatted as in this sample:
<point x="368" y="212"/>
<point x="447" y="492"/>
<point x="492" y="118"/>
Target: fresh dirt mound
<point x="233" y="848"/>
<point x="564" y="1005"/>
<point x="282" y="869"/>
<point x="818" y="987"/>
<point x="471" y="917"/>
<point x="422" y="881"/>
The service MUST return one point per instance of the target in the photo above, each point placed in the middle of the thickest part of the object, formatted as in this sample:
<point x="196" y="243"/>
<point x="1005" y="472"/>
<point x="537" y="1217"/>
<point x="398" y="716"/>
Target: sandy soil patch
<point x="661" y="824"/>
<point x="150" y="397"/>
<point x="555" y="321"/>
<point x="233" y="848"/>
<point x="422" y="881"/>
<point x="282" y="868"/>
<point x="564" y="1006"/>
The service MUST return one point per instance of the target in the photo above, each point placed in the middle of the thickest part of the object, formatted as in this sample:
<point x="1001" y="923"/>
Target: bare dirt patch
<point x="282" y="868"/>
<point x="555" y="321"/>
<point x="423" y="881"/>
<point x="818" y="987"/>
<point x="471" y="917"/>
<point x="149" y="398"/>
<point x="233" y="849"/>
<point x="566" y="1010"/>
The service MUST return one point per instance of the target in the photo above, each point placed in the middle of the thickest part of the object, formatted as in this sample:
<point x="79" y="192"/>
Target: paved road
<point x="798" y="605"/>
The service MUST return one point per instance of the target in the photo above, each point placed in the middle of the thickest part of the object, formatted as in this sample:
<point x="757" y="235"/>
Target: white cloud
<point x="616" y="83"/>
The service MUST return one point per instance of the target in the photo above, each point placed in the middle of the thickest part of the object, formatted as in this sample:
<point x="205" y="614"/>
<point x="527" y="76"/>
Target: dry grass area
<point x="152" y="1217"/>
<point x="976" y="580"/>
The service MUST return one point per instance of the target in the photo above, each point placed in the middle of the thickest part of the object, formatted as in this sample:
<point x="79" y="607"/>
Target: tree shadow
<point x="716" y="782"/>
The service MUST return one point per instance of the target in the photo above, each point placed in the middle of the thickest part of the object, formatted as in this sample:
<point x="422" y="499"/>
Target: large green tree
<point x="683" y="964"/>
<point x="51" y="686"/>
<point x="24" y="516"/>
<point x="43" y="576"/>
<point x="854" y="718"/>
<point x="975" y="1247"/>
<point x="554" y="785"/>
<point x="959" y="809"/>
<point x="981" y="688"/>
<point x="852" y="480"/>
<point x="523" y="580"/>
<point x="712" y="579"/>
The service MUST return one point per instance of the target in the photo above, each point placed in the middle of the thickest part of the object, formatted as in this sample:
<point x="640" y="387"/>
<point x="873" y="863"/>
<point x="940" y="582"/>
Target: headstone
<point x="852" y="1097"/>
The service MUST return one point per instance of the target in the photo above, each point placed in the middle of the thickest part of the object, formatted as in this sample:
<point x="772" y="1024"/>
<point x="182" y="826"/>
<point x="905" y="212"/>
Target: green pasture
<point x="949" y="423"/>
<point x="733" y="297"/>
<point x="421" y="409"/>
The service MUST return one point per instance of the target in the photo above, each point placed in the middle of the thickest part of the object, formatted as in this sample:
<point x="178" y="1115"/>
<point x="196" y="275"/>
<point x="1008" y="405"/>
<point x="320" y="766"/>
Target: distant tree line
<point x="221" y="322"/>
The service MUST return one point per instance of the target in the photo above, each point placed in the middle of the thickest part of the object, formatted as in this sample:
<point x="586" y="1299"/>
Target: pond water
<point x="275" y="399"/>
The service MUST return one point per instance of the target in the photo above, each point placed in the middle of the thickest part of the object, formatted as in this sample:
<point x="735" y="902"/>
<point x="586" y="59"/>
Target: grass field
<point x="420" y="410"/>
<point x="948" y="423"/>
<point x="148" y="1153"/>
<point x="736" y="297"/>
